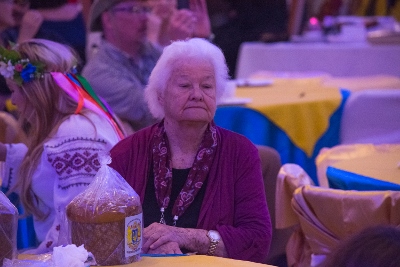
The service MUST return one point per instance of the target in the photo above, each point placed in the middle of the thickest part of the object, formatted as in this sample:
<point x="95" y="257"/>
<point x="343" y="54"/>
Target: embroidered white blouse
<point x="68" y="164"/>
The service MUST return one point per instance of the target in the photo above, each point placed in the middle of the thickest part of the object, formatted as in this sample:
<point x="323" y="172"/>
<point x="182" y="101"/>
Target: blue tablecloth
<point x="340" y="179"/>
<point x="262" y="131"/>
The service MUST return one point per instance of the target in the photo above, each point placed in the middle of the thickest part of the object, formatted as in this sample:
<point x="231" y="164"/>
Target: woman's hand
<point x="157" y="235"/>
<point x="167" y="248"/>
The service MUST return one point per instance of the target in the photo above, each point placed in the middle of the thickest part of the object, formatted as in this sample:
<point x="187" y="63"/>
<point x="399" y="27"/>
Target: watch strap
<point x="213" y="244"/>
<point x="212" y="248"/>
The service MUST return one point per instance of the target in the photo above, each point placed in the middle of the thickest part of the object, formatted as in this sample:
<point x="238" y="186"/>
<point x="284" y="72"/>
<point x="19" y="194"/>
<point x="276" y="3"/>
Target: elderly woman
<point x="200" y="185"/>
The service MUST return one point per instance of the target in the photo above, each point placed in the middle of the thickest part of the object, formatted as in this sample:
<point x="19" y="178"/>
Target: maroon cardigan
<point x="234" y="202"/>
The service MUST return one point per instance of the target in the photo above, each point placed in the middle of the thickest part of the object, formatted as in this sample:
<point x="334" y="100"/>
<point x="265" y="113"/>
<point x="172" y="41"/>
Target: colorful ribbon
<point x="80" y="90"/>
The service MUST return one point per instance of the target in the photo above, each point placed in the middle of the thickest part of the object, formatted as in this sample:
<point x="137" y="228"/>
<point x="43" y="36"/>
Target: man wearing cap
<point x="120" y="69"/>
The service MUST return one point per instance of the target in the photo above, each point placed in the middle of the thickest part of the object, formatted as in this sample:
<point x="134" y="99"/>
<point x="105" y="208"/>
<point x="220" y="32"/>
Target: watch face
<point x="214" y="235"/>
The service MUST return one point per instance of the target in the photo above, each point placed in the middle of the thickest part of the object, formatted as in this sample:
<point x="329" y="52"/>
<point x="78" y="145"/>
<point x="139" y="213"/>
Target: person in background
<point x="68" y="133"/>
<point x="120" y="69"/>
<point x="169" y="21"/>
<point x="27" y="25"/>
<point x="200" y="185"/>
<point x="236" y="21"/>
<point x="376" y="246"/>
<point x="10" y="131"/>
<point x="65" y="19"/>
<point x="85" y="7"/>
<point x="6" y="18"/>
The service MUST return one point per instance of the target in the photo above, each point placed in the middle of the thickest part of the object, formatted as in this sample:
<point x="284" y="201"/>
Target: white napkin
<point x="70" y="255"/>
<point x="62" y="256"/>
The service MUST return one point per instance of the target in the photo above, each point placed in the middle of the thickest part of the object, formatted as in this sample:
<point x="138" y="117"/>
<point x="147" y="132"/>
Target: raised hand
<point x="30" y="25"/>
<point x="203" y="25"/>
<point x="181" y="25"/>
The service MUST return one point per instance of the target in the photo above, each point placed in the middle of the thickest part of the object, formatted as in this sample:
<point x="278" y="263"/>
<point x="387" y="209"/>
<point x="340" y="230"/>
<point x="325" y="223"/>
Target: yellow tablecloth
<point x="183" y="261"/>
<point x="381" y="162"/>
<point x="192" y="261"/>
<point x="300" y="107"/>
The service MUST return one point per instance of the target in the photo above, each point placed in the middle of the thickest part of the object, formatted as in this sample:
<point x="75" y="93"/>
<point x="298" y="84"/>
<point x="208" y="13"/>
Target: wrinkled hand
<point x="203" y="25"/>
<point x="157" y="235"/>
<point x="30" y="25"/>
<point x="167" y="248"/>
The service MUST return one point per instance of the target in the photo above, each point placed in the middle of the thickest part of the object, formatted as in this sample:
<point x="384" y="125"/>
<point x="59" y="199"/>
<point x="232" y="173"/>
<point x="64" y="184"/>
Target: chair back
<point x="371" y="116"/>
<point x="326" y="216"/>
<point x="270" y="165"/>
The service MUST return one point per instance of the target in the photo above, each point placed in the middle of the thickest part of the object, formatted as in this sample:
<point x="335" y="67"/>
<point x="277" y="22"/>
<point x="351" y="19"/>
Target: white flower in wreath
<point x="6" y="69"/>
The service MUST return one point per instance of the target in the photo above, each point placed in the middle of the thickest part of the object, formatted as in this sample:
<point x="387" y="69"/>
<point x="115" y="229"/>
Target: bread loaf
<point x="104" y="225"/>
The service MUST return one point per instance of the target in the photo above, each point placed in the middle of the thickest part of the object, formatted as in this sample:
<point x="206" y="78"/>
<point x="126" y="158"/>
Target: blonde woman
<point x="68" y="131"/>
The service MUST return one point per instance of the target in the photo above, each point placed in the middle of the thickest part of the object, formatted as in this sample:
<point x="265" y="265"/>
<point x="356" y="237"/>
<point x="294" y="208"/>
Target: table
<point x="337" y="59"/>
<point x="192" y="261"/>
<point x="362" y="167"/>
<point x="297" y="117"/>
<point x="195" y="261"/>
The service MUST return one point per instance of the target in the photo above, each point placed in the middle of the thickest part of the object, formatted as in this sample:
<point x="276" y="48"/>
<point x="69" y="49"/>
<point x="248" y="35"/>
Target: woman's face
<point x="190" y="95"/>
<point x="6" y="18"/>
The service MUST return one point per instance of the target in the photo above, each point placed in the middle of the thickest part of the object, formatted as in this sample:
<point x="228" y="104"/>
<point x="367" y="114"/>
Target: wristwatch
<point x="214" y="239"/>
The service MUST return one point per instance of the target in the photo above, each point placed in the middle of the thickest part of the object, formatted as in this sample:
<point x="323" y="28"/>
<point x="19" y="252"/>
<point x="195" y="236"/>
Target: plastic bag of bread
<point x="8" y="229"/>
<point x="107" y="219"/>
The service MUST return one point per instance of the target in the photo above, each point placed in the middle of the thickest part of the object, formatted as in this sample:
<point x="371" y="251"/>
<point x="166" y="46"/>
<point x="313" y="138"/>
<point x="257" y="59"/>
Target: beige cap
<point x="97" y="8"/>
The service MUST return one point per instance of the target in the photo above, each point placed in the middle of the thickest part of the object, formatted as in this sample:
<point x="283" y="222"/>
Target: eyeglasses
<point x="133" y="9"/>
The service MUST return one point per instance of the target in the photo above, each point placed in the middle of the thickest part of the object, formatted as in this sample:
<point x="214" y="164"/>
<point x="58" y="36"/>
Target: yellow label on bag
<point x="133" y="235"/>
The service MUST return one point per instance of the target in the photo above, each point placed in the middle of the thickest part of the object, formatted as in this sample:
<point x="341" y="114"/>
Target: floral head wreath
<point x="21" y="70"/>
<point x="13" y="66"/>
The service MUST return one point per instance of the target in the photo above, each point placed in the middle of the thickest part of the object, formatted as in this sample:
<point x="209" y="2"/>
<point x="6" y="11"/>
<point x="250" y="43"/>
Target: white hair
<point x="194" y="48"/>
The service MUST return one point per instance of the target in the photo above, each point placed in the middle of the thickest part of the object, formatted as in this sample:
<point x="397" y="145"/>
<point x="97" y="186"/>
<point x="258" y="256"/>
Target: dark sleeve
<point x="249" y="238"/>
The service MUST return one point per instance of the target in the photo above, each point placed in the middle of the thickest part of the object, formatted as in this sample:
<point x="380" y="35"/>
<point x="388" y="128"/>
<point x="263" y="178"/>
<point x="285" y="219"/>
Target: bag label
<point x="133" y="235"/>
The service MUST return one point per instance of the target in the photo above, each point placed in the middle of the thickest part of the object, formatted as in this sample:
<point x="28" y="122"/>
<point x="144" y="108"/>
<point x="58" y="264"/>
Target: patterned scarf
<point x="163" y="171"/>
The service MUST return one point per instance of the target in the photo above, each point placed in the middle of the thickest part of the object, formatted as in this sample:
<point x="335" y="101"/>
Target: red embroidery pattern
<point x="76" y="161"/>
<point x="71" y="162"/>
